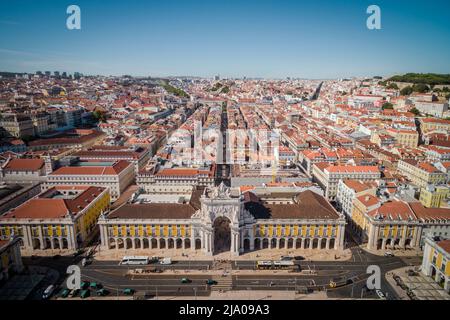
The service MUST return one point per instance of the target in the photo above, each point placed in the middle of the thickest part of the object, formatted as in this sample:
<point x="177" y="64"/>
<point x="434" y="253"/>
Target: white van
<point x="165" y="261"/>
<point x="48" y="292"/>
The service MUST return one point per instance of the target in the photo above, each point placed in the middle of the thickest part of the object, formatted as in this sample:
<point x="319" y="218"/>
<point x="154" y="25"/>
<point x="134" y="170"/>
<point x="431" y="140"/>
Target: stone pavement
<point x="20" y="286"/>
<point x="397" y="253"/>
<point x="422" y="286"/>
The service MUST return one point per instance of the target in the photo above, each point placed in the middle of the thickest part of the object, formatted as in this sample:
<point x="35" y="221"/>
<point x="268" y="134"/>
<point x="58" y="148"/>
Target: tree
<point x="406" y="91"/>
<point x="392" y="85"/>
<point x="447" y="96"/>
<point x="415" y="111"/>
<point x="387" y="105"/>
<point x="421" y="88"/>
<point x="99" y="115"/>
<point x="424" y="78"/>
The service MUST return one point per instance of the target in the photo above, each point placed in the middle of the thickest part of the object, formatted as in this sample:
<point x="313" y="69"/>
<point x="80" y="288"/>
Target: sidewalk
<point x="422" y="286"/>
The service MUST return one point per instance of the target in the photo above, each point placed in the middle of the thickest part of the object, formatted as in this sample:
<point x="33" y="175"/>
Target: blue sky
<point x="233" y="38"/>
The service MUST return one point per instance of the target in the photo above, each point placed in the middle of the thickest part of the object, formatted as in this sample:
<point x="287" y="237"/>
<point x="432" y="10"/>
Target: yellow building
<point x="421" y="174"/>
<point x="215" y="220"/>
<point x="433" y="124"/>
<point x="434" y="196"/>
<point x="409" y="138"/>
<point x="62" y="217"/>
<point x="436" y="261"/>
<point x="395" y="224"/>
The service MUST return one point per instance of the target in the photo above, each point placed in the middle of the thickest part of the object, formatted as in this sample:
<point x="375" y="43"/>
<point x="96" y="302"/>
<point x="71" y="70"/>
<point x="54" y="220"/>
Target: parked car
<point x="48" y="292"/>
<point x="388" y="254"/>
<point x="65" y="293"/>
<point x="85" y="293"/>
<point x="165" y="261"/>
<point x="185" y="280"/>
<point x="102" y="292"/>
<point x="286" y="258"/>
<point x="380" y="294"/>
<point x="74" y="293"/>
<point x="128" y="292"/>
<point x="84" y="285"/>
<point x="95" y="285"/>
<point x="211" y="282"/>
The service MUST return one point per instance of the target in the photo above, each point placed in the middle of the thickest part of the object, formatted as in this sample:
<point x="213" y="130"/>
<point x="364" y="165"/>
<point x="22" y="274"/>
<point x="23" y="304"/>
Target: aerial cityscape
<point x="119" y="185"/>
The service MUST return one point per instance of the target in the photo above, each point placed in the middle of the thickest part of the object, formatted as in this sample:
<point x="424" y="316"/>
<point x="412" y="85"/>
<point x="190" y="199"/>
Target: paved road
<point x="114" y="276"/>
<point x="355" y="269"/>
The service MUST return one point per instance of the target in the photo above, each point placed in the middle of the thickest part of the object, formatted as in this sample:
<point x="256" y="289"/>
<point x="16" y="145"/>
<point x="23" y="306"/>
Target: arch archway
<point x="198" y="244"/>
<point x="265" y="243"/>
<point x="222" y="235"/>
<point x="162" y="243"/>
<point x="179" y="243"/>
<point x="154" y="243"/>
<point x="290" y="243"/>
<point x="170" y="244"/>
<point x="332" y="243"/>
<point x="282" y="243"/>
<point x="315" y="243"/>
<point x="120" y="243"/>
<point x="408" y="243"/>
<point x="187" y="243"/>
<point x="48" y="243"/>
<point x="145" y="243"/>
<point x="257" y="244"/>
<point x="137" y="243"/>
<point x="307" y="241"/>
<point x="246" y="244"/>
<point x="128" y="243"/>
<point x="65" y="243"/>
<point x="323" y="243"/>
<point x="112" y="243"/>
<point x="379" y="244"/>
<point x="56" y="243"/>
<point x="273" y="243"/>
<point x="36" y="244"/>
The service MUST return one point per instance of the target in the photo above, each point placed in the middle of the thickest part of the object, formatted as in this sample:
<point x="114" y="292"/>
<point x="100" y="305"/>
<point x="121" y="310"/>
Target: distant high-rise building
<point x="48" y="73"/>
<point x="64" y="74"/>
<point x="217" y="77"/>
<point x="77" y="75"/>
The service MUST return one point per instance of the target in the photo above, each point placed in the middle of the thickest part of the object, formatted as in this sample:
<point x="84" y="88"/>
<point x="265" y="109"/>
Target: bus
<point x="134" y="260"/>
<point x="261" y="265"/>
<point x="264" y="264"/>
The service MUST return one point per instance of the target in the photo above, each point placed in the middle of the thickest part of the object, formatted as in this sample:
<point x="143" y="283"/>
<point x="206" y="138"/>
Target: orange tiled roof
<point x="24" y="164"/>
<point x="115" y="169"/>
<point x="54" y="208"/>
